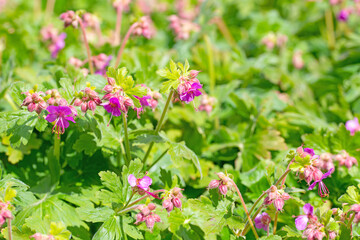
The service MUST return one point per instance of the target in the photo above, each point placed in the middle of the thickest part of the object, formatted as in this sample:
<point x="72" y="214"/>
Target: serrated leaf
<point x="94" y="215"/>
<point x="109" y="230"/>
<point x="271" y="237"/>
<point x="112" y="182"/>
<point x="352" y="196"/>
<point x="179" y="151"/>
<point x="59" y="231"/>
<point x="86" y="144"/>
<point x="129" y="229"/>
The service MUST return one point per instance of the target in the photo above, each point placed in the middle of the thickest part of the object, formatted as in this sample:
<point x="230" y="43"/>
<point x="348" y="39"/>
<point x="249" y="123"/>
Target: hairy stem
<point x="351" y="220"/>
<point x="87" y="46"/>
<point x="123" y="43"/>
<point x="158" y="159"/>
<point x="57" y="141"/>
<point x="50" y="4"/>
<point x="9" y="229"/>
<point x="118" y="25"/>
<point x="275" y="222"/>
<point x="10" y="101"/>
<point x="245" y="208"/>
<point x="159" y="124"/>
<point x="127" y="144"/>
<point x="140" y="199"/>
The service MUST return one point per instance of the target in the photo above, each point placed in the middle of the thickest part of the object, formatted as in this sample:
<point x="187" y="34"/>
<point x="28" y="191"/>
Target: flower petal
<point x="132" y="180"/>
<point x="145" y="182"/>
<point x="70" y="119"/>
<point x="51" y="117"/>
<point x="311" y="187"/>
<point x="327" y="174"/>
<point x="52" y="109"/>
<point x="308" y="209"/>
<point x="301" y="222"/>
<point x="65" y="110"/>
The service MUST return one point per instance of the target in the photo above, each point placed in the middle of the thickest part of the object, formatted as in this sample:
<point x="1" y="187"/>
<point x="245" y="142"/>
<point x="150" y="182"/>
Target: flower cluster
<point x="223" y="184"/>
<point x="271" y="40"/>
<point x="39" y="236"/>
<point x="151" y="99"/>
<point x="147" y="215"/>
<point x="60" y="116"/>
<point x="55" y="98"/>
<point x="277" y="197"/>
<point x="297" y="60"/>
<point x="356" y="209"/>
<point x="56" y="40"/>
<point x="70" y="18"/>
<point x="189" y="87"/>
<point x="5" y="213"/>
<point x="141" y="185"/>
<point x="345" y="159"/>
<point x="314" y="230"/>
<point x="34" y="101"/>
<point x="172" y="199"/>
<point x="207" y="103"/>
<point x="144" y="27"/>
<point x="182" y="27"/>
<point x="262" y="221"/>
<point x="87" y="99"/>
<point x="101" y="62"/>
<point x="325" y="162"/>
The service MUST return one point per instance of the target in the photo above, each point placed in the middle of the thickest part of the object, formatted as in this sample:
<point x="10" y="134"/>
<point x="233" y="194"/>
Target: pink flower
<point x="5" y="213"/>
<point x="262" y="221"/>
<point x="101" y="62"/>
<point x="353" y="125"/>
<point x="182" y="27"/>
<point x="146" y="215"/>
<point x="223" y="184"/>
<point x="269" y="41"/>
<point x="276" y="197"/>
<point x="207" y="103"/>
<point x="173" y="199"/>
<point x="34" y="101"/>
<point x="57" y="44"/>
<point x="39" y="236"/>
<point x="297" y="60"/>
<point x="345" y="159"/>
<point x="322" y="189"/>
<point x="70" y="18"/>
<point x="344" y="14"/>
<point x="113" y="107"/>
<point x="188" y="92"/>
<point x="144" y="27"/>
<point x="302" y="221"/>
<point x="141" y="185"/>
<point x="61" y="115"/>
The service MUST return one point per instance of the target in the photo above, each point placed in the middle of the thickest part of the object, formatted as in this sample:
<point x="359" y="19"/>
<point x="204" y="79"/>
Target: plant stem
<point x="123" y="43"/>
<point x="49" y="8"/>
<point x="225" y="31"/>
<point x="127" y="209"/>
<point x="246" y="228"/>
<point x="262" y="196"/>
<point x="142" y="198"/>
<point x="158" y="159"/>
<point x="87" y="46"/>
<point x="127" y="145"/>
<point x="275" y="222"/>
<point x="118" y="25"/>
<point x="159" y="124"/>
<point x="57" y="141"/>
<point x="127" y="203"/>
<point x="246" y="211"/>
<point x="9" y="229"/>
<point x="351" y="220"/>
<point x="11" y="102"/>
<point x="330" y="28"/>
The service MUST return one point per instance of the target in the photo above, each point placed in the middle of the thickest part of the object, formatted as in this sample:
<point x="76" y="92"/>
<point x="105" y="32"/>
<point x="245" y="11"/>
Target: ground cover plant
<point x="186" y="119"/>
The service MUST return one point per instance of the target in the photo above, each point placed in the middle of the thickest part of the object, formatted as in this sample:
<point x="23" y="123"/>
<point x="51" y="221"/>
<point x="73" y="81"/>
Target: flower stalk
<point x="123" y="43"/>
<point x="91" y="67"/>
<point x="127" y="144"/>
<point x="245" y="208"/>
<point x="9" y="229"/>
<point x="275" y="222"/>
<point x="159" y="124"/>
<point x="119" y="12"/>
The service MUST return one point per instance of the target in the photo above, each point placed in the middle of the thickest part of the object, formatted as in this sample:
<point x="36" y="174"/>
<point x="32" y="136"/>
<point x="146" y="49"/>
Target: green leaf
<point x="94" y="215"/>
<point x="166" y="86"/>
<point x="59" y="231"/>
<point x="179" y="151"/>
<point x="85" y="143"/>
<point x="109" y="230"/>
<point x="271" y="237"/>
<point x="113" y="183"/>
<point x="129" y="229"/>
<point x="67" y="90"/>
<point x="137" y="91"/>
<point x="135" y="167"/>
<point x="352" y="195"/>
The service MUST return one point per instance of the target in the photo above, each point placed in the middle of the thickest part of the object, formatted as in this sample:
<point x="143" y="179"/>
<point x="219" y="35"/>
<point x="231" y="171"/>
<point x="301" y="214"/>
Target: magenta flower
<point x="61" y="115"/>
<point x="57" y="44"/>
<point x="302" y="220"/>
<point x="101" y="62"/>
<point x="141" y="185"/>
<point x="353" y="125"/>
<point x="322" y="189"/>
<point x="189" y="94"/>
<point x="144" y="102"/>
<point x="343" y="15"/>
<point x="113" y="107"/>
<point x="262" y="221"/>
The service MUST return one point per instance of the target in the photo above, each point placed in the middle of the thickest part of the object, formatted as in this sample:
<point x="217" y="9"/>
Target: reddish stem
<point x="118" y="25"/>
<point x="87" y="46"/>
<point x="123" y="43"/>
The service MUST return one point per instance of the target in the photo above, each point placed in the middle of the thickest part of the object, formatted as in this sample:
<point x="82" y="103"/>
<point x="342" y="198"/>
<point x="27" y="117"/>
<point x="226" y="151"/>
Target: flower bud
<point x="177" y="202"/>
<point x="108" y="88"/>
<point x="317" y="174"/>
<point x="157" y="218"/>
<point x="279" y="204"/>
<point x="151" y="206"/>
<point x="175" y="191"/>
<point x="38" y="108"/>
<point x="268" y="201"/>
<point x="27" y="101"/>
<point x="332" y="235"/>
<point x="168" y="205"/>
<point x="73" y="110"/>
<point x="111" y="81"/>
<point x="223" y="189"/>
<point x="6" y="213"/>
<point x="150" y="222"/>
<point x="285" y="196"/>
<point x="48" y="92"/>
<point x="31" y="107"/>
<point x="193" y="73"/>
<point x="97" y="101"/>
<point x="145" y="211"/>
<point x="92" y="105"/>
<point x="214" y="184"/>
<point x="62" y="102"/>
<point x="51" y="101"/>
<point x="84" y="107"/>
<point x="77" y="102"/>
<point x="139" y="218"/>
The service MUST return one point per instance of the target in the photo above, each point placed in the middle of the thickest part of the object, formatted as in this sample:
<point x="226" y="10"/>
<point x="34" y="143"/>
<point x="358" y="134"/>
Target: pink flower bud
<point x="150" y="222"/>
<point x="31" y="107"/>
<point x="355" y="207"/>
<point x="168" y="205"/>
<point x="157" y="218"/>
<point x="300" y="150"/>
<point x="317" y="174"/>
<point x="332" y="235"/>
<point x="77" y="102"/>
<point x="27" y="101"/>
<point x="193" y="73"/>
<point x="84" y="107"/>
<point x="268" y="201"/>
<point x="111" y="81"/>
<point x="92" y="105"/>
<point x="285" y="196"/>
<point x="279" y="204"/>
<point x="214" y="184"/>
<point x="51" y="101"/>
<point x="48" y="92"/>
<point x="139" y="218"/>
<point x="62" y="102"/>
<point x="176" y="191"/>
<point x="6" y="214"/>
<point x="108" y="96"/>
<point x="151" y="206"/>
<point x="223" y="189"/>
<point x="73" y="110"/>
<point x="177" y="202"/>
<point x="108" y="88"/>
<point x="145" y="211"/>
